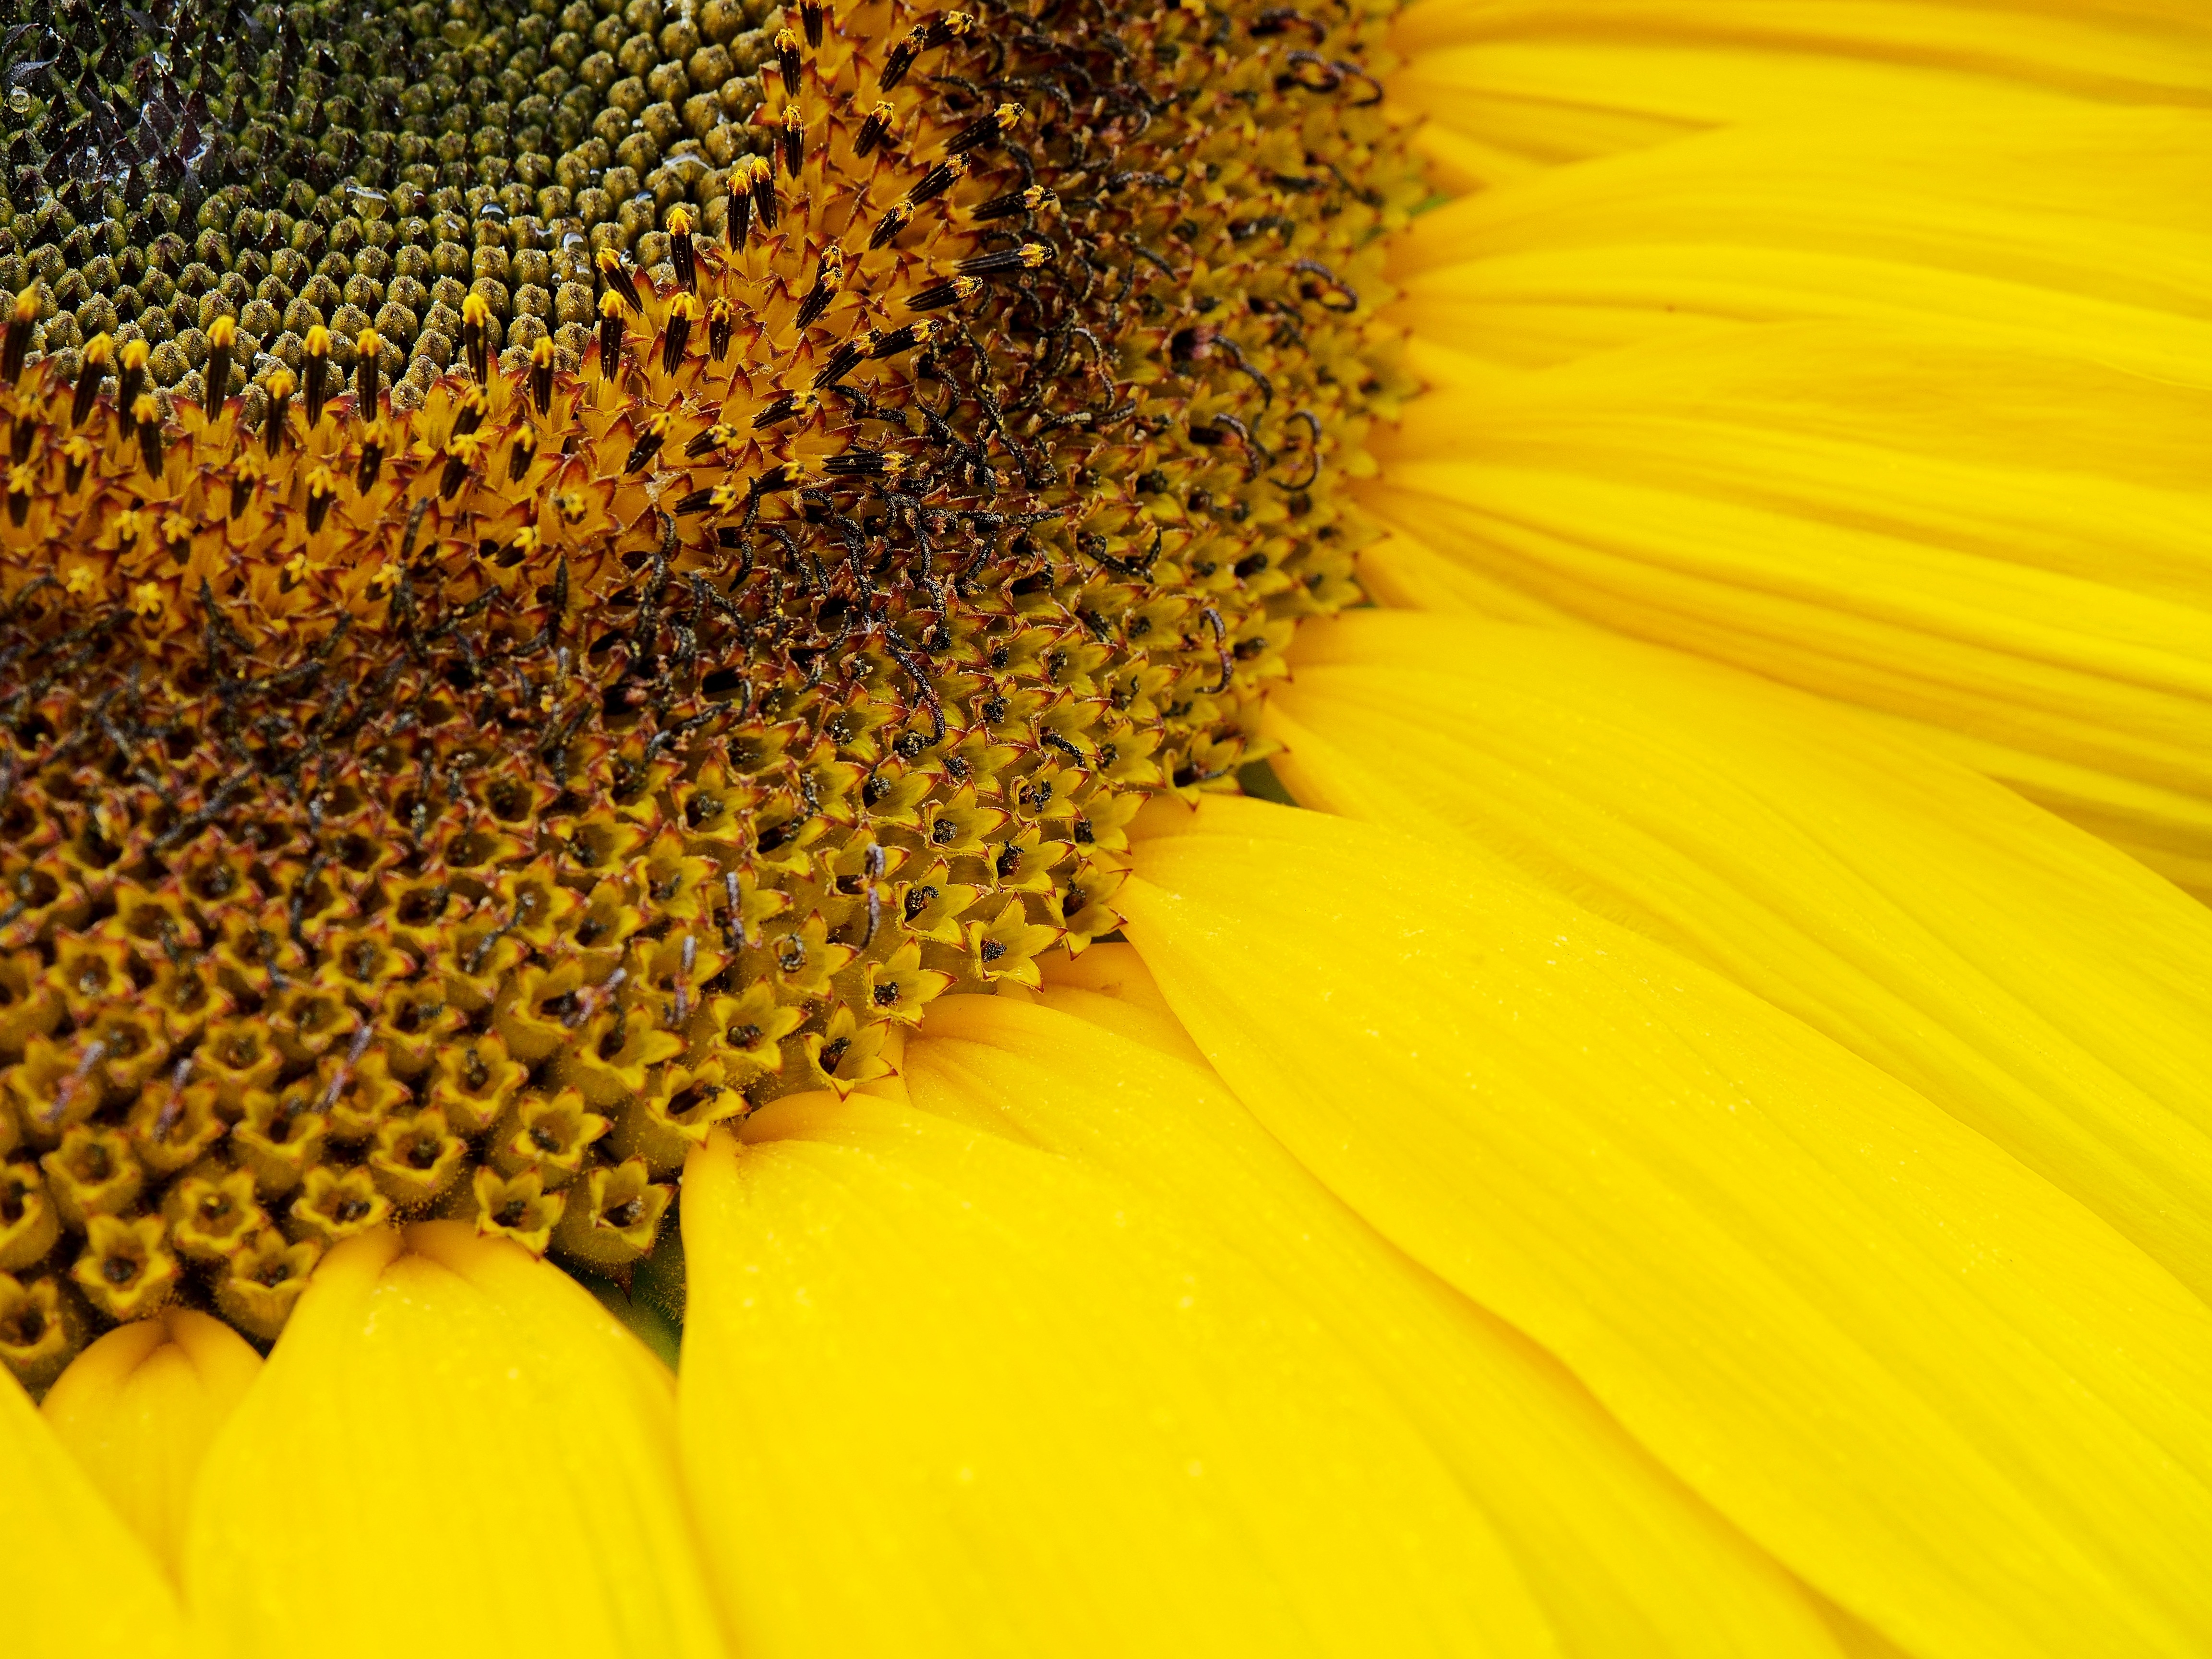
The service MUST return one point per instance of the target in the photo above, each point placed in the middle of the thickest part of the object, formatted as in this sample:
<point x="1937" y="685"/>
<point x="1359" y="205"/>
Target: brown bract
<point x="464" y="808"/>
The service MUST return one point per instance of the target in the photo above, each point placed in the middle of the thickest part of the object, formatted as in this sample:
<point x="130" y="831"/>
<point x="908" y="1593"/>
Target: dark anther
<point x="130" y="382"/>
<point x="740" y="223"/>
<point x="97" y="351"/>
<point x="902" y="339"/>
<point x="810" y="16"/>
<point x="873" y="131"/>
<point x="901" y="56"/>
<point x="787" y="64"/>
<point x="476" y="337"/>
<point x="680" y="251"/>
<point x="791" y="140"/>
<point x="984" y="129"/>
<point x="279" y="387"/>
<point x="215" y="372"/>
<point x="938" y="295"/>
<point x="1027" y="257"/>
<point x="520" y="455"/>
<point x="827" y="280"/>
<point x="717" y="330"/>
<point x="896" y="218"/>
<point x="367" y="348"/>
<point x="781" y="407"/>
<point x="541" y="375"/>
<point x="620" y="281"/>
<point x="763" y="193"/>
<point x="148" y="424"/>
<point x="1013" y="203"/>
<point x="314" y="373"/>
<point x="842" y="362"/>
<point x="935" y="182"/>
<point x="611" y="336"/>
<point x="17" y="346"/>
<point x="677" y="332"/>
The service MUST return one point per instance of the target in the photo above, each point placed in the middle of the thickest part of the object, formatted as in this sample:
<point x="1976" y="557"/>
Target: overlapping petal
<point x="1509" y="87"/>
<point x="452" y="1449"/>
<point x="77" y="1583"/>
<point x="2039" y="986"/>
<point x="944" y="1392"/>
<point x="1622" y="1557"/>
<point x="2003" y="548"/>
<point x="1938" y="1388"/>
<point x="140" y="1408"/>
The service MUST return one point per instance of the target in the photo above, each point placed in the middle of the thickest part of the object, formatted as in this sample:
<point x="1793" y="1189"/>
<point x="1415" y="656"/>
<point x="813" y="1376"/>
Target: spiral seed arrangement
<point x="457" y="794"/>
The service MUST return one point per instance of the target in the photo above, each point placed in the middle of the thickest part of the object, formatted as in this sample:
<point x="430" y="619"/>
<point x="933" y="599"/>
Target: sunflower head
<point x="565" y="571"/>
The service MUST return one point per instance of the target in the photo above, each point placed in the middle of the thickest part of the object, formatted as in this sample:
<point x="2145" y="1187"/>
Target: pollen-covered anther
<point x="682" y="255"/>
<point x="314" y="373"/>
<point x="938" y="295"/>
<point x="828" y="279"/>
<point x="875" y="130"/>
<point x="476" y="337"/>
<point x="1027" y="257"/>
<point x="791" y="140"/>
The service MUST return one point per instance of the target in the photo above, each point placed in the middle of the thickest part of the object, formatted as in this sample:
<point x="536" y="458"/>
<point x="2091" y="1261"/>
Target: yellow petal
<point x="1623" y="1558"/>
<point x="2033" y="982"/>
<point x="1941" y="1391"/>
<point x="1520" y="85"/>
<point x="2006" y="549"/>
<point x="1993" y="227"/>
<point x="139" y="1408"/>
<point x="77" y="1582"/>
<point x="943" y="1393"/>
<point x="452" y="1449"/>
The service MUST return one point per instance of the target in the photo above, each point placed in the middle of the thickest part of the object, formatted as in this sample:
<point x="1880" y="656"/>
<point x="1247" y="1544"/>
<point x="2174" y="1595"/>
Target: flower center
<point x="882" y="447"/>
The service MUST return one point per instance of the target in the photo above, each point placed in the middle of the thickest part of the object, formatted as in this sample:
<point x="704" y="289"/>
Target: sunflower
<point x="727" y="931"/>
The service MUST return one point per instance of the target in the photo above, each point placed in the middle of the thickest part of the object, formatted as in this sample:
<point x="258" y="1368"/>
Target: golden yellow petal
<point x="77" y="1582"/>
<point x="2004" y="547"/>
<point x="1623" y="1558"/>
<point x="1945" y="1394"/>
<point x="944" y="1393"/>
<point x="139" y="1409"/>
<point x="453" y="1449"/>
<point x="1520" y="85"/>
<point x="1996" y="228"/>
<point x="2035" y="983"/>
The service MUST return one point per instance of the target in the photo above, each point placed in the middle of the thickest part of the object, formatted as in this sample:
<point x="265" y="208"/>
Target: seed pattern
<point x="461" y="803"/>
